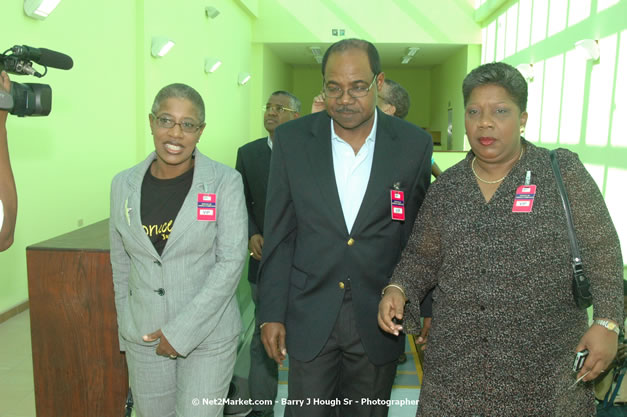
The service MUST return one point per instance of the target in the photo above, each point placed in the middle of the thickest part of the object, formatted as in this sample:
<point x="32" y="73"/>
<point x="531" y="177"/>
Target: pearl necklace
<point x="472" y="166"/>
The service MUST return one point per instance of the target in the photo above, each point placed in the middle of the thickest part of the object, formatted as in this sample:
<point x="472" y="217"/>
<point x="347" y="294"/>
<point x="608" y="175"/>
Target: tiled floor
<point x="17" y="392"/>
<point x="17" y="397"/>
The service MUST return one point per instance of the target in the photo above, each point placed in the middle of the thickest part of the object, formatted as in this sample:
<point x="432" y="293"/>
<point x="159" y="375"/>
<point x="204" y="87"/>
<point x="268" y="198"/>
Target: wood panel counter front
<point x="77" y="364"/>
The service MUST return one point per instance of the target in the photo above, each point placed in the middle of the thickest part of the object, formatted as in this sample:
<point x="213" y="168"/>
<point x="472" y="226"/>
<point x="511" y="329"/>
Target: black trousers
<point x="341" y="380"/>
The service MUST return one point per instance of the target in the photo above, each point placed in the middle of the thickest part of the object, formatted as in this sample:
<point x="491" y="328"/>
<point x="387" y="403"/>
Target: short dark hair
<point x="179" y="90"/>
<point x="352" y="43"/>
<point x="398" y="97"/>
<point x="501" y="74"/>
<point x="294" y="101"/>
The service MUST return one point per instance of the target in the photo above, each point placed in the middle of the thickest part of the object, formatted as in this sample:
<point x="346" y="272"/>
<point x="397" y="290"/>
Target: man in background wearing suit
<point x="344" y="189"/>
<point x="253" y="162"/>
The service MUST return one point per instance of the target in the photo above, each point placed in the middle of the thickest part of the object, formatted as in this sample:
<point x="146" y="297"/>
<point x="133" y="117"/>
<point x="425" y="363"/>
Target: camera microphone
<point x="43" y="56"/>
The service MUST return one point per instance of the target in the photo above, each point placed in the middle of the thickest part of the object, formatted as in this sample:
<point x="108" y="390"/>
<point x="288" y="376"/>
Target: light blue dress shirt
<point x="352" y="172"/>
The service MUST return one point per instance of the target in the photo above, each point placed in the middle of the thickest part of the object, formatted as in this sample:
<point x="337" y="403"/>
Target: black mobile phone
<point x="580" y="358"/>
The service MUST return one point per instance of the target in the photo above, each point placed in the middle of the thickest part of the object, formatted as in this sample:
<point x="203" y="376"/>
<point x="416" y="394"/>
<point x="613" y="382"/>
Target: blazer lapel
<point x="263" y="166"/>
<point x="186" y="217"/>
<point x="386" y="151"/>
<point x="321" y="158"/>
<point x="132" y="206"/>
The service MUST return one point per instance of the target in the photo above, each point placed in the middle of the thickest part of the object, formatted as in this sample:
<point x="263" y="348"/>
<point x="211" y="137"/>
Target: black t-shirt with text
<point x="161" y="201"/>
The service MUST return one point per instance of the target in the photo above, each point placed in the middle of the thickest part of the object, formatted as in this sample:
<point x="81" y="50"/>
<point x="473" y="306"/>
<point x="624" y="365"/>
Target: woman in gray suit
<point x="178" y="233"/>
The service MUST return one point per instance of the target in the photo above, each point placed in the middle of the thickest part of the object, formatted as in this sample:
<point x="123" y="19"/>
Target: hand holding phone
<point x="580" y="358"/>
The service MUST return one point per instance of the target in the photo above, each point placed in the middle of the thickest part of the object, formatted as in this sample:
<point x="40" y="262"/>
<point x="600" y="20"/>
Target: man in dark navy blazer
<point x="333" y="237"/>
<point x="253" y="162"/>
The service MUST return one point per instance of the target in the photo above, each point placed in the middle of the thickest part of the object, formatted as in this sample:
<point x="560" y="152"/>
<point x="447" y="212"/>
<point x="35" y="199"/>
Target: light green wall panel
<point x="417" y="82"/>
<point x="307" y="84"/>
<point x="447" y="81"/>
<point x="197" y="37"/>
<point x="270" y="74"/>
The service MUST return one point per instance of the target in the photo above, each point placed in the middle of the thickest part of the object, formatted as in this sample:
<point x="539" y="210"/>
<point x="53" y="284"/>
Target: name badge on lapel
<point x="397" y="199"/>
<point x="206" y="210"/>
<point x="523" y="202"/>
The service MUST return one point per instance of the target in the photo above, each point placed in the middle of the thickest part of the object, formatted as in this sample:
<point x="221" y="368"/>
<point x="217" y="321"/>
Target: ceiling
<point x="427" y="56"/>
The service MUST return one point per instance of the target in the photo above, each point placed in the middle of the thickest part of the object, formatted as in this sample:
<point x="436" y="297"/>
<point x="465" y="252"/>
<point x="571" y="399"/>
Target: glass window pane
<point x="551" y="98"/>
<point x="604" y="4"/>
<point x="557" y="16"/>
<point x="489" y="52"/>
<point x="500" y="37"/>
<point x="572" y="98"/>
<point x="615" y="201"/>
<point x="524" y="24"/>
<point x="601" y="86"/>
<point x="534" y="103"/>
<point x="540" y="15"/>
<point x="578" y="10"/>
<point x="619" y="116"/>
<point x="512" y="21"/>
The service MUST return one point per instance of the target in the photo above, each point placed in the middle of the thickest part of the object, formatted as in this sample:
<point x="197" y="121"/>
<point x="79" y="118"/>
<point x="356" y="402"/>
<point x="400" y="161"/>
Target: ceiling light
<point x="161" y="46"/>
<point x="406" y="59"/>
<point x="39" y="9"/>
<point x="243" y="78"/>
<point x="212" y="64"/>
<point x="211" y="12"/>
<point x="412" y="51"/>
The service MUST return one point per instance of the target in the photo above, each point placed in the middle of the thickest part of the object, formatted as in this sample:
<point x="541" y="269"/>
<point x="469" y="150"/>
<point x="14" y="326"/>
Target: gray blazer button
<point x="158" y="263"/>
<point x="160" y="291"/>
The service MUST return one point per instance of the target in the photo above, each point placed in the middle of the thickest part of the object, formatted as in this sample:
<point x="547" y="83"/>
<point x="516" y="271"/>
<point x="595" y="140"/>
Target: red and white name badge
<point x="207" y="210"/>
<point x="397" y="205"/>
<point x="523" y="202"/>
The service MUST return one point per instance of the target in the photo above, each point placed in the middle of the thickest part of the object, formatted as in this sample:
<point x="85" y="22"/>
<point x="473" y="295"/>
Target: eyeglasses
<point x="186" y="126"/>
<point x="332" y="91"/>
<point x="277" y="108"/>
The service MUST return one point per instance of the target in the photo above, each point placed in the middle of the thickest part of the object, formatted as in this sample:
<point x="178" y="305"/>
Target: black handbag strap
<point x="574" y="247"/>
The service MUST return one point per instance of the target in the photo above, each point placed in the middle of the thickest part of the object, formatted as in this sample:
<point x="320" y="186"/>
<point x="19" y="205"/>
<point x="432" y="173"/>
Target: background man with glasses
<point x="333" y="237"/>
<point x="253" y="162"/>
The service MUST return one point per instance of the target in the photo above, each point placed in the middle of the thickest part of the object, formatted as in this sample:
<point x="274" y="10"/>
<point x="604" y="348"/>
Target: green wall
<point x="447" y="93"/>
<point x="273" y="75"/>
<point x="64" y="163"/>
<point x="307" y="84"/>
<point x="417" y="82"/>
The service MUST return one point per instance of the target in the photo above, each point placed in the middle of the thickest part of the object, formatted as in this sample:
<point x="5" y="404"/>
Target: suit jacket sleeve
<point x="199" y="319"/>
<point x="253" y="229"/>
<point x="420" y="258"/>
<point x="120" y="261"/>
<point x="276" y="262"/>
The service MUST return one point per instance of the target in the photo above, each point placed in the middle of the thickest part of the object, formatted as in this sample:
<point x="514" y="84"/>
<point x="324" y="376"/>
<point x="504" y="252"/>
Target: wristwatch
<point x="612" y="327"/>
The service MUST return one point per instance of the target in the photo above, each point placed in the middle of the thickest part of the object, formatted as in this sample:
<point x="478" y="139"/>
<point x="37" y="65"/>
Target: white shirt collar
<point x="372" y="136"/>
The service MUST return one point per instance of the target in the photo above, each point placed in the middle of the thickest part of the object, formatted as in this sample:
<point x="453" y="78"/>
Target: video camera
<point x="30" y="99"/>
